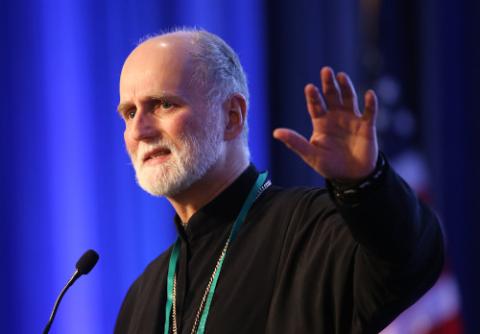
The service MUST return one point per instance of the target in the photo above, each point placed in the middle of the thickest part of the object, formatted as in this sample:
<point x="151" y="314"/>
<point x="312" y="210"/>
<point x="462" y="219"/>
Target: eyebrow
<point x="123" y="106"/>
<point x="151" y="98"/>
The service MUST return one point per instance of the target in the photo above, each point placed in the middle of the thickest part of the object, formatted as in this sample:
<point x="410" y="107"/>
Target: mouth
<point x="159" y="154"/>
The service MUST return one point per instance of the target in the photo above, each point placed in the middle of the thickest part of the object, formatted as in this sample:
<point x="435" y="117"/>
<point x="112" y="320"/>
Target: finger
<point x="371" y="106"/>
<point x="349" y="96"/>
<point x="294" y="141"/>
<point x="315" y="104"/>
<point x="330" y="89"/>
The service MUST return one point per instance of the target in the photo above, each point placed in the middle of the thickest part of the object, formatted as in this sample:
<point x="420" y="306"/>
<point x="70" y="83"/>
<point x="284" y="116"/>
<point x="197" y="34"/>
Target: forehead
<point x="158" y="65"/>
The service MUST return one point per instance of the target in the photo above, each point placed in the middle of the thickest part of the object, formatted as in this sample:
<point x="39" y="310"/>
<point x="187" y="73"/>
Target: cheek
<point x="129" y="143"/>
<point x="182" y="125"/>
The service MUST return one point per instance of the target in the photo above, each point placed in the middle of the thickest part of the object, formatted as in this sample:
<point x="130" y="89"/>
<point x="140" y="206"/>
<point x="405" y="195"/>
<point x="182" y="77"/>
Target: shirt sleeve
<point x="400" y="248"/>
<point x="361" y="262"/>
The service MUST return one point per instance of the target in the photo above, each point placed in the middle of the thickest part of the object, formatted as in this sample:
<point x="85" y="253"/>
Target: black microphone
<point x="84" y="265"/>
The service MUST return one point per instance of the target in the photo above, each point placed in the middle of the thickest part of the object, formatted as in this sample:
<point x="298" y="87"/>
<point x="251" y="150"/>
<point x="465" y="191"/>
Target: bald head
<point x="154" y="59"/>
<point x="216" y="65"/>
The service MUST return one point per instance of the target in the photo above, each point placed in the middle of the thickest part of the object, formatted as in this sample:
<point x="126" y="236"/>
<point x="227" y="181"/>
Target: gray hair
<point x="218" y="69"/>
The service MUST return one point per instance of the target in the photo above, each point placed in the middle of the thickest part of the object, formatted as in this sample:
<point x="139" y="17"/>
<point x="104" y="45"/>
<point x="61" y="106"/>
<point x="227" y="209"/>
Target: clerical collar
<point x="222" y="210"/>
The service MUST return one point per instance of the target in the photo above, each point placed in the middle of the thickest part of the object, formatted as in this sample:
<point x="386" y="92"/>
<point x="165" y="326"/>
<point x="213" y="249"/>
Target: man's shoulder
<point x="295" y="196"/>
<point x="160" y="262"/>
<point x="295" y="203"/>
<point x="154" y="271"/>
<point x="144" y="294"/>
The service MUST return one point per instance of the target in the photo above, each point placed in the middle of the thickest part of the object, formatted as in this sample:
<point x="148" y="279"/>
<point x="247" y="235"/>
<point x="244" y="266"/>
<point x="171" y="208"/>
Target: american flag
<point x="438" y="311"/>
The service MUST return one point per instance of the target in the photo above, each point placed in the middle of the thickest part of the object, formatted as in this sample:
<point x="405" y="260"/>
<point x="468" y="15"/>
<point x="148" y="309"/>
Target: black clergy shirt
<point x="302" y="262"/>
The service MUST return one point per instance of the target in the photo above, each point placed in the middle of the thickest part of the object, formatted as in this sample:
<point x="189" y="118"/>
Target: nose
<point x="143" y="127"/>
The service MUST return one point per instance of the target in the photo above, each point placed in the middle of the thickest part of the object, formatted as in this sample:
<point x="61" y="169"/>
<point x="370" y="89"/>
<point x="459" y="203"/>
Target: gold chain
<point x="204" y="298"/>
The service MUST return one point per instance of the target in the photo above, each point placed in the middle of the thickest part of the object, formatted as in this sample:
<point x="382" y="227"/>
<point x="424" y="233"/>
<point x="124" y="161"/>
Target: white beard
<point x="186" y="164"/>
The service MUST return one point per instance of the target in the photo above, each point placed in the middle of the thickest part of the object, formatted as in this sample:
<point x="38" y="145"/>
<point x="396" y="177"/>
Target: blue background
<point x="66" y="181"/>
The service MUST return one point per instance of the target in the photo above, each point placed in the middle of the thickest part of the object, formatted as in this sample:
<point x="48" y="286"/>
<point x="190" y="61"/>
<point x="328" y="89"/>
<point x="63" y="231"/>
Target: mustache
<point x="145" y="148"/>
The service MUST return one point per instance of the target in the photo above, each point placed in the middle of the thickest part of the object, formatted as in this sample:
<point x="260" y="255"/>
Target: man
<point x="251" y="257"/>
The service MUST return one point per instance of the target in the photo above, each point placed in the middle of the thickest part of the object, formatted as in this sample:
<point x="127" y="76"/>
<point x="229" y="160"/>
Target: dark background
<point x="66" y="182"/>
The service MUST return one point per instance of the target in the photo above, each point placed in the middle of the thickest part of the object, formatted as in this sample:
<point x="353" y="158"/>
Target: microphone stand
<point x="70" y="282"/>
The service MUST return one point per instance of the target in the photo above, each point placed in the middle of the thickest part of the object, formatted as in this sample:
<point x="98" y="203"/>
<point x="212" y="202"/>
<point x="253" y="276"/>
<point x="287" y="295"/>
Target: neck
<point x="202" y="192"/>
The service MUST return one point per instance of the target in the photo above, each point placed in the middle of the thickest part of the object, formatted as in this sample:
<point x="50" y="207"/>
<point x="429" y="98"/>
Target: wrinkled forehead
<point x="164" y="61"/>
<point x="158" y="57"/>
<point x="168" y="47"/>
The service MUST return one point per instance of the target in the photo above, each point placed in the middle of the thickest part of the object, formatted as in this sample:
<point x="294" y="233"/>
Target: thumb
<point x="294" y="141"/>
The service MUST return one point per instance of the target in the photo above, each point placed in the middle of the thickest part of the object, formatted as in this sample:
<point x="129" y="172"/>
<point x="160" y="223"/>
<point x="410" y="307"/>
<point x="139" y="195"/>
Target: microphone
<point x="86" y="263"/>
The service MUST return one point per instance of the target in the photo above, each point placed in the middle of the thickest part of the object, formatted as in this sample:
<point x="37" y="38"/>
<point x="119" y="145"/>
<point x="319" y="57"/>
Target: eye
<point x="130" y="114"/>
<point x="165" y="104"/>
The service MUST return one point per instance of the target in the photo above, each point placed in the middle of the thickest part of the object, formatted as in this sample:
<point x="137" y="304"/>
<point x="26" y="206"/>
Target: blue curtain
<point x="67" y="183"/>
<point x="66" y="180"/>
<point x="450" y="32"/>
<point x="303" y="37"/>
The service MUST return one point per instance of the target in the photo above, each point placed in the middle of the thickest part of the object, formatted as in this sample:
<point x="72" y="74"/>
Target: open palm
<point x="343" y="145"/>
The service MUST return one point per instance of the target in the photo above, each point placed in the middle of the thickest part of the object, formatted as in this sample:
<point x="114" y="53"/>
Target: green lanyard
<point x="252" y="196"/>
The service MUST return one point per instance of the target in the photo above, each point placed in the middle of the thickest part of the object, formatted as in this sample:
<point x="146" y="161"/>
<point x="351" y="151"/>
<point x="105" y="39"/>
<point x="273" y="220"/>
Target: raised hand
<point x="343" y="145"/>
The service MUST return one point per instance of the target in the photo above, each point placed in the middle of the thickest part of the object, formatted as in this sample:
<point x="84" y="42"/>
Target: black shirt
<point x="302" y="262"/>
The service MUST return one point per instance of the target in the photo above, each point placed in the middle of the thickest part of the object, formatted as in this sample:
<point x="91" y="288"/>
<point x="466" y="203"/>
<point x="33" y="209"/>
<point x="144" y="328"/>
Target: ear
<point x="235" y="109"/>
